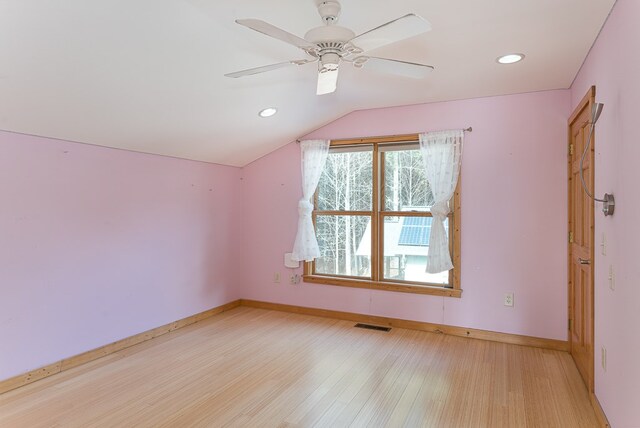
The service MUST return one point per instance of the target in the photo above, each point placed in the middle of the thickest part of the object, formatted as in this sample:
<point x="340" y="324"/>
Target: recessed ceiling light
<point x="510" y="58"/>
<point x="268" y="112"/>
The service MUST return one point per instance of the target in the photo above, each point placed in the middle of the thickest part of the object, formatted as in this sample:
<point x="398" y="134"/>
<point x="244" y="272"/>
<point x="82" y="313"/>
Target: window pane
<point x="346" y="182"/>
<point x="405" y="186"/>
<point x="345" y="245"/>
<point x="406" y="247"/>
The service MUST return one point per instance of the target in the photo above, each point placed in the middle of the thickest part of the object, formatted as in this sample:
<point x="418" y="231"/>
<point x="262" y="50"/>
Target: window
<point x="373" y="221"/>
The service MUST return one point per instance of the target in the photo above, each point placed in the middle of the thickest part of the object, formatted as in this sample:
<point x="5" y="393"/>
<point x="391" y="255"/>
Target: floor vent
<point x="372" y="327"/>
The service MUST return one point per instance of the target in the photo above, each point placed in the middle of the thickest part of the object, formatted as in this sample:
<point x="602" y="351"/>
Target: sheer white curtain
<point x="314" y="156"/>
<point x="441" y="154"/>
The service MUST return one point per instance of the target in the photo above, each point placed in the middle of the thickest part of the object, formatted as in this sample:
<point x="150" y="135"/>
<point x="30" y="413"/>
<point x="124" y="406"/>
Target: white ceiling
<point x="147" y="75"/>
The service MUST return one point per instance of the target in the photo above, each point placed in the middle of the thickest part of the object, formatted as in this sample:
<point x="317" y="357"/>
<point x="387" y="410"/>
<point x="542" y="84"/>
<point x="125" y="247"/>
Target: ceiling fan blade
<point x="399" y="29"/>
<point x="277" y="33"/>
<point x="264" y="68"/>
<point x="402" y="68"/>
<point x="327" y="81"/>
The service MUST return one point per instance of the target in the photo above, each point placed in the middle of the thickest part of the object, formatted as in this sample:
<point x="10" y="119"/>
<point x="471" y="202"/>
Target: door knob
<point x="584" y="261"/>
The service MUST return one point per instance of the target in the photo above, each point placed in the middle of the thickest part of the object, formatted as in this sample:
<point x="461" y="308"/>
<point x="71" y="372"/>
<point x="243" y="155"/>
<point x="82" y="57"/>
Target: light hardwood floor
<point x="258" y="368"/>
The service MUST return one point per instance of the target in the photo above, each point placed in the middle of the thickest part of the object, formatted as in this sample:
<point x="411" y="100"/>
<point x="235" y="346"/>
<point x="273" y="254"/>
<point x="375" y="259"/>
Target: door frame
<point x="587" y="101"/>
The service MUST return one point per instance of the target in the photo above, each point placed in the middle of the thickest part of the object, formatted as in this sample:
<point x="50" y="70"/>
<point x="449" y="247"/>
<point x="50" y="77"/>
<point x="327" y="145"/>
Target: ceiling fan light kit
<point x="330" y="45"/>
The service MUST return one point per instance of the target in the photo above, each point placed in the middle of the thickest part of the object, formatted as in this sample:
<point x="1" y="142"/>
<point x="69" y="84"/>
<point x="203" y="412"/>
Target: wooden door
<point x="581" y="234"/>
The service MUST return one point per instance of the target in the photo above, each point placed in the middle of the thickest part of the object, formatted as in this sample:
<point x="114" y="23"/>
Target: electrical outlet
<point x="292" y="279"/>
<point x="603" y="244"/>
<point x="612" y="278"/>
<point x="276" y="277"/>
<point x="508" y="299"/>
<point x="603" y="358"/>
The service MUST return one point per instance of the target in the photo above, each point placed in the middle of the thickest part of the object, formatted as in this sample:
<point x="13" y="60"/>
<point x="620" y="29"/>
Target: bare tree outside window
<point x="345" y="185"/>
<point x="406" y="188"/>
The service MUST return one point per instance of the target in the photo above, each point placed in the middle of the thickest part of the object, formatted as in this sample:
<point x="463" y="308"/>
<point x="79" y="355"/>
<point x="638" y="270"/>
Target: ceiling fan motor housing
<point x="329" y="33"/>
<point x="330" y="40"/>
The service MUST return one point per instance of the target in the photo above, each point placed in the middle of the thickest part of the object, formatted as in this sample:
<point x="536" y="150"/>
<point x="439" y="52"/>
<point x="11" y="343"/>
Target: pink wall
<point x="99" y="244"/>
<point x="614" y="67"/>
<point x="513" y="221"/>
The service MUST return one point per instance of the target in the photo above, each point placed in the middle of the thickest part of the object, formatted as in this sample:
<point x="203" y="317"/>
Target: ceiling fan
<point x="329" y="45"/>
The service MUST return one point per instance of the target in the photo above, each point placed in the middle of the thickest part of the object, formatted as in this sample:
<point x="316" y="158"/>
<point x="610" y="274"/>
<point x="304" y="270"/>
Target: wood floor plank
<point x="251" y="367"/>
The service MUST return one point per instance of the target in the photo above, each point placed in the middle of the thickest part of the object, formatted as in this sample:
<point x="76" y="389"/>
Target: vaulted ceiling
<point x="148" y="75"/>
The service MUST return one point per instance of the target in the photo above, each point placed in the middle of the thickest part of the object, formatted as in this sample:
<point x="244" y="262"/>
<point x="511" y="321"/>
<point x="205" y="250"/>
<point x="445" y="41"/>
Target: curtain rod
<point x="469" y="129"/>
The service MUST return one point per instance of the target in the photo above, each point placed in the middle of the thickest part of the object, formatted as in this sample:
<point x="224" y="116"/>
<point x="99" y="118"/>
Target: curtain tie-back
<point x="440" y="209"/>
<point x="305" y="208"/>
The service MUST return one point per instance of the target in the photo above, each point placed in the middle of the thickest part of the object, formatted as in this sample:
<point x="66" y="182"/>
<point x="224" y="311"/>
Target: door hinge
<point x="570" y="149"/>
<point x="569" y="324"/>
<point x="570" y="237"/>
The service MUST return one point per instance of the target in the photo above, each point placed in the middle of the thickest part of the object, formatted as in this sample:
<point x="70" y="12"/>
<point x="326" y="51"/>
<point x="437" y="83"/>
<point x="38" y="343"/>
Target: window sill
<point x="389" y="286"/>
